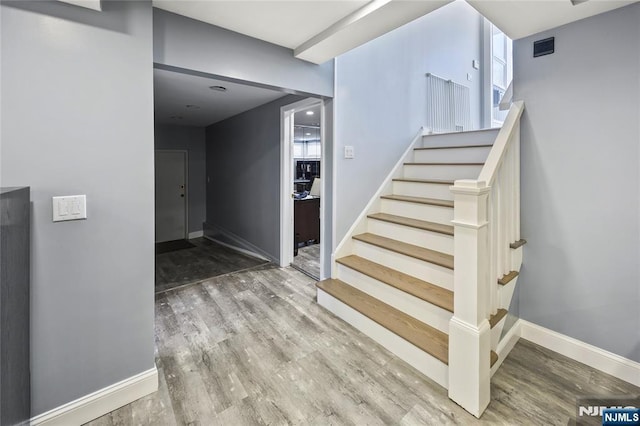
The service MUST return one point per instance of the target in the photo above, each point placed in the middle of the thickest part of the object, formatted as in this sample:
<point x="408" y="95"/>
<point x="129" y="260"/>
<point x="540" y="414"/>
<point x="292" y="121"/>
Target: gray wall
<point x="243" y="167"/>
<point x="580" y="181"/>
<point x="192" y="140"/>
<point x="186" y="43"/>
<point x="381" y="97"/>
<point x="77" y="105"/>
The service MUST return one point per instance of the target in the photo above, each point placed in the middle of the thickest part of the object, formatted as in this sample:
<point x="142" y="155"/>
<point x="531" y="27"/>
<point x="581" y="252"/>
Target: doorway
<point x="302" y="172"/>
<point x="171" y="195"/>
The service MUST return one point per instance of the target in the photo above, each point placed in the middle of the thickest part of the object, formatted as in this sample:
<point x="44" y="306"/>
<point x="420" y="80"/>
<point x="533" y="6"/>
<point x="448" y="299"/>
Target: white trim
<point x="610" y="363"/>
<point x="506" y="344"/>
<point x="237" y="243"/>
<point x="101" y="402"/>
<point x="384" y="188"/>
<point x="196" y="234"/>
<point x="286" y="175"/>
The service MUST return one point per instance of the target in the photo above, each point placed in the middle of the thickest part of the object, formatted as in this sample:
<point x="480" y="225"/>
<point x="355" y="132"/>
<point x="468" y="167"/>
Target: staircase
<point x="413" y="271"/>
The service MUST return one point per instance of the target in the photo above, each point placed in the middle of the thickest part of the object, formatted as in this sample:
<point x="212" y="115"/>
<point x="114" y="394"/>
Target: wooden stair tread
<point x="495" y="318"/>
<point x="413" y="223"/>
<point x="423" y="336"/>
<point x="421" y="253"/>
<point x="454" y="147"/>
<point x="419" y="200"/>
<point x="518" y="244"/>
<point x="426" y="291"/>
<point x="444" y="164"/>
<point x="436" y="181"/>
<point x="493" y="358"/>
<point x="507" y="278"/>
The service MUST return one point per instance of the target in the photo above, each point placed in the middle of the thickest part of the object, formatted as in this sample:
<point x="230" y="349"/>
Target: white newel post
<point x="469" y="330"/>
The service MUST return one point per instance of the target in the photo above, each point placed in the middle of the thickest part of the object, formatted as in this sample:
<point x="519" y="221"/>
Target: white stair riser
<point x="452" y="155"/>
<point x="428" y="212"/>
<point x="445" y="172"/>
<point x="419" y="309"/>
<point x="496" y="332"/>
<point x="505" y="293"/>
<point x="417" y="358"/>
<point x="458" y="139"/>
<point x="424" y="190"/>
<point x="426" y="271"/>
<point x="406" y="234"/>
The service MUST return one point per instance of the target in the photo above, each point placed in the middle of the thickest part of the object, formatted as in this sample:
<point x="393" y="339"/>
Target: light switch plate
<point x="476" y="64"/>
<point x="349" y="151"/>
<point x="69" y="207"/>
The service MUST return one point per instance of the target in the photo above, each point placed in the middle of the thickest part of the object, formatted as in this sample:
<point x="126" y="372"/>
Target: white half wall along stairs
<point x="429" y="268"/>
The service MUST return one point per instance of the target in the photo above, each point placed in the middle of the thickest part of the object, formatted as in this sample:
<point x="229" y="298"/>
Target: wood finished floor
<point x="254" y="348"/>
<point x="308" y="259"/>
<point x="205" y="260"/>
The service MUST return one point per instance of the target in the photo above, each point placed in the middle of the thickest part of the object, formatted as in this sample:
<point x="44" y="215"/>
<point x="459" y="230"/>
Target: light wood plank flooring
<point x="254" y="348"/>
<point x="308" y="260"/>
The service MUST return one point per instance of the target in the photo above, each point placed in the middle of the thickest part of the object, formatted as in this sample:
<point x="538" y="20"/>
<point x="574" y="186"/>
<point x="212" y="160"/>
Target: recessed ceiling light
<point x="307" y="134"/>
<point x="192" y="106"/>
<point x="309" y="112"/>
<point x="218" y="88"/>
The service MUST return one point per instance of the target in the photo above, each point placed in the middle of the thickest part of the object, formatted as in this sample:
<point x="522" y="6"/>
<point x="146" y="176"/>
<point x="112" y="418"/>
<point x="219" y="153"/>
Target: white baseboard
<point x="196" y="234"/>
<point x="101" y="402"/>
<point x="217" y="233"/>
<point x="506" y="344"/>
<point x="610" y="363"/>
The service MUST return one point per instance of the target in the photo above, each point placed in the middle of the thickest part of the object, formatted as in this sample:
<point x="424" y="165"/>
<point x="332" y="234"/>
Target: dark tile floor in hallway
<point x="254" y="348"/>
<point x="206" y="260"/>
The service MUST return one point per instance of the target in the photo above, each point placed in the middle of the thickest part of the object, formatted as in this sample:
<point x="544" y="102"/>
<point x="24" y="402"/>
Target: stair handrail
<point x="486" y="221"/>
<point x="501" y="144"/>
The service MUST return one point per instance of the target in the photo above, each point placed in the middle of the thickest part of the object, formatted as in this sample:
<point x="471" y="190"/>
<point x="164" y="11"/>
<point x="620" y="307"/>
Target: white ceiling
<point x="522" y="18"/>
<point x="319" y="30"/>
<point x="285" y="23"/>
<point x="174" y="91"/>
<point x="302" y="118"/>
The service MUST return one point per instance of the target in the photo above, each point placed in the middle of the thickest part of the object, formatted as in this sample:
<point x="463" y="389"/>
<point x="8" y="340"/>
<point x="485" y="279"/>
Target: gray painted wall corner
<point x="78" y="119"/>
<point x="581" y="182"/>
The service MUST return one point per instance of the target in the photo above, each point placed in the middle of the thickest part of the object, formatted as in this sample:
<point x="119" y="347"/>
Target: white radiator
<point x="448" y="105"/>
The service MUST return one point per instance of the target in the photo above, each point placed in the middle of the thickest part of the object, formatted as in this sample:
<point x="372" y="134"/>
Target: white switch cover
<point x="349" y="152"/>
<point x="469" y="77"/>
<point x="69" y="207"/>
<point x="476" y="64"/>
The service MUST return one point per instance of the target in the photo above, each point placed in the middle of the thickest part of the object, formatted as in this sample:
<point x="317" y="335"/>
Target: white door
<point x="171" y="205"/>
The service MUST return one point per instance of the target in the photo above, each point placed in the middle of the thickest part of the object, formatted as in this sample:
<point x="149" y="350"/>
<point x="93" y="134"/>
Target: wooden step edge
<point x="443" y="164"/>
<point x="419" y="200"/>
<point x="518" y="244"/>
<point x="493" y="358"/>
<point x="507" y="278"/>
<point x="417" y="252"/>
<point x="413" y="223"/>
<point x="423" y="336"/>
<point x="423" y="290"/>
<point x="454" y="147"/>
<point x="497" y="317"/>
<point x="432" y="181"/>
